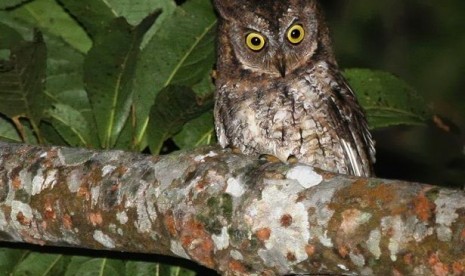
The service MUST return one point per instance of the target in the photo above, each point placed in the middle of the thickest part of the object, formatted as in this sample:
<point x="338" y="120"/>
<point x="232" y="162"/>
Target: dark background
<point x="423" y="43"/>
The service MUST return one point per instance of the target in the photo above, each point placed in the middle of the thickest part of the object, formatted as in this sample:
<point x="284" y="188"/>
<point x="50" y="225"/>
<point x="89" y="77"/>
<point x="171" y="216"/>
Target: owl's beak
<point x="280" y="64"/>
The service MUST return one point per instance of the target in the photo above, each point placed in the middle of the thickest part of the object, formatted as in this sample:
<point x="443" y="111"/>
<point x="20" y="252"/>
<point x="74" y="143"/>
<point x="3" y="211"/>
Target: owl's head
<point x="273" y="37"/>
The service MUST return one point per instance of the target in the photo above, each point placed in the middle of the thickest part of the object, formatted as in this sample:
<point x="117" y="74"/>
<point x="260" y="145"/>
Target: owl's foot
<point x="269" y="158"/>
<point x="291" y="160"/>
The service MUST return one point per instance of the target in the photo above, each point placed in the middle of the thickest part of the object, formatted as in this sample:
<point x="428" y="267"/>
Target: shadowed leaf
<point x="108" y="73"/>
<point x="22" y="79"/>
<point x="180" y="53"/>
<point x="42" y="264"/>
<point x="174" y="106"/>
<point x="197" y="132"/>
<point x="386" y="99"/>
<point x="10" y="3"/>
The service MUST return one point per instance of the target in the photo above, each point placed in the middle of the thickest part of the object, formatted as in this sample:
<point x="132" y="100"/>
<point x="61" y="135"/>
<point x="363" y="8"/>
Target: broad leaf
<point x="10" y="3"/>
<point x="8" y="37"/>
<point x="108" y="72"/>
<point x="386" y="99"/>
<point x="22" y="81"/>
<point x="94" y="15"/>
<point x="155" y="269"/>
<point x="8" y="131"/>
<point x="42" y="264"/>
<point x="51" y="18"/>
<point x="80" y="266"/>
<point x="180" y="53"/>
<point x="71" y="125"/>
<point x="9" y="258"/>
<point x="174" y="106"/>
<point x="197" y="132"/>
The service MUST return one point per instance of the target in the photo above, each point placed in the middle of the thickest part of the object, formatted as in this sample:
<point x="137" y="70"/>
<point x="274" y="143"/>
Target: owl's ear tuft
<point x="225" y="9"/>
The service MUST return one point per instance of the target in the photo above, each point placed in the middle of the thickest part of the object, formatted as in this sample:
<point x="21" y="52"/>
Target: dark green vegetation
<point x="136" y="75"/>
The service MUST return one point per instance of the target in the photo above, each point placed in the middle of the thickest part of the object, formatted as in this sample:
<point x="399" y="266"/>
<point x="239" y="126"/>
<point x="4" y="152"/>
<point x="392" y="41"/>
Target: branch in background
<point x="229" y="212"/>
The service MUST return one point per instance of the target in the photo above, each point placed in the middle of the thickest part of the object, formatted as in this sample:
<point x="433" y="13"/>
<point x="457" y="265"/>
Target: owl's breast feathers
<point x="312" y="115"/>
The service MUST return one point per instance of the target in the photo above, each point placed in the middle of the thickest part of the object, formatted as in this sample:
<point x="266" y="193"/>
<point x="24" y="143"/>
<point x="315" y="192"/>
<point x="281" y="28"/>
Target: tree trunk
<point x="229" y="212"/>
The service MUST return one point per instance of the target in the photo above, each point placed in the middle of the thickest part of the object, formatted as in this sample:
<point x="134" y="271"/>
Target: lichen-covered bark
<point x="229" y="212"/>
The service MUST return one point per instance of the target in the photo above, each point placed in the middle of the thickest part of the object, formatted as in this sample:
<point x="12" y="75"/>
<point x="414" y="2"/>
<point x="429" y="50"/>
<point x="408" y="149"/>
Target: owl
<point x="279" y="90"/>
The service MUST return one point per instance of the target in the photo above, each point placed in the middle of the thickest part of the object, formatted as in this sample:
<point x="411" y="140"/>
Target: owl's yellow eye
<point x="255" y="41"/>
<point x="296" y="34"/>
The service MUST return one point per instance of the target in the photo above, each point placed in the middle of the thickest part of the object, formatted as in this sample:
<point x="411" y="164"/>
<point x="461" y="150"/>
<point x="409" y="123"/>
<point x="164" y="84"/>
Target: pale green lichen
<point x="373" y="243"/>
<point x="305" y="176"/>
<point x="122" y="217"/>
<point x="447" y="204"/>
<point x="222" y="240"/>
<point x="103" y="239"/>
<point x="178" y="250"/>
<point x="235" y="187"/>
<point x="73" y="180"/>
<point x="288" y="238"/>
<point x="107" y="169"/>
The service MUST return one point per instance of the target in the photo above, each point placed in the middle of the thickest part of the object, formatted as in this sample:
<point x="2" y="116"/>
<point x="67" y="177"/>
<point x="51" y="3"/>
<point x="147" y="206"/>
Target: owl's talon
<point x="292" y="160"/>
<point x="269" y="158"/>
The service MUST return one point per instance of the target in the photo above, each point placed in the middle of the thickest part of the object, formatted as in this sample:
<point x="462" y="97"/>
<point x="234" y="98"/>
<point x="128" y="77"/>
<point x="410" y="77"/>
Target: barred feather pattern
<point x="315" y="118"/>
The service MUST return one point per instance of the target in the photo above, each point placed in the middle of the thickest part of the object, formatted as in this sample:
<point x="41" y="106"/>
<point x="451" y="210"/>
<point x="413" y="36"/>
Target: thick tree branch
<point x="229" y="212"/>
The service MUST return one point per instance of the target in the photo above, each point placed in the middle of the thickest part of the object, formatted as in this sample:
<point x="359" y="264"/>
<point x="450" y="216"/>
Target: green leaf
<point x="155" y="269"/>
<point x="197" y="132"/>
<point x="180" y="53"/>
<point x="9" y="37"/>
<point x="22" y="81"/>
<point x="71" y="125"/>
<point x="94" y="15"/>
<point x="174" y="106"/>
<point x="80" y="266"/>
<point x="136" y="10"/>
<point x="9" y="258"/>
<point x="5" y="4"/>
<point x="108" y="72"/>
<point x="42" y="264"/>
<point x="8" y="131"/>
<point x="51" y="18"/>
<point x="387" y="99"/>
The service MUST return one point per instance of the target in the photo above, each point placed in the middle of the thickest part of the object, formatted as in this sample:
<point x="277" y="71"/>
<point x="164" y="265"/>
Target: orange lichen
<point x="458" y="268"/>
<point x="170" y="224"/>
<point x="310" y="250"/>
<point x="16" y="182"/>
<point x="84" y="192"/>
<point x="438" y="267"/>
<point x="49" y="213"/>
<point x="22" y="219"/>
<point x="350" y="223"/>
<point x="263" y="234"/>
<point x="343" y="251"/>
<point x="367" y="195"/>
<point x="67" y="221"/>
<point x="286" y="220"/>
<point x="95" y="218"/>
<point x="424" y="208"/>
<point x="237" y="267"/>
<point x="198" y="242"/>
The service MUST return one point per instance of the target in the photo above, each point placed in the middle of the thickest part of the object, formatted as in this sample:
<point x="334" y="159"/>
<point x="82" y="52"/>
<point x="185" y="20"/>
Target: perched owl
<point x="279" y="90"/>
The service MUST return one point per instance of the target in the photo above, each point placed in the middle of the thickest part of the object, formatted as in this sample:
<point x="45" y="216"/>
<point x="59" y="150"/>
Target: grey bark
<point x="229" y="212"/>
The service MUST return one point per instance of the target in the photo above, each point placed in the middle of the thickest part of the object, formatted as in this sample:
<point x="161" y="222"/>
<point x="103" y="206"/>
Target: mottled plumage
<point x="280" y="91"/>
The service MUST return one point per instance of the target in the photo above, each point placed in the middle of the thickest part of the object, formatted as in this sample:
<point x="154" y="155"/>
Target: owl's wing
<point x="219" y="126"/>
<point x="351" y="125"/>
